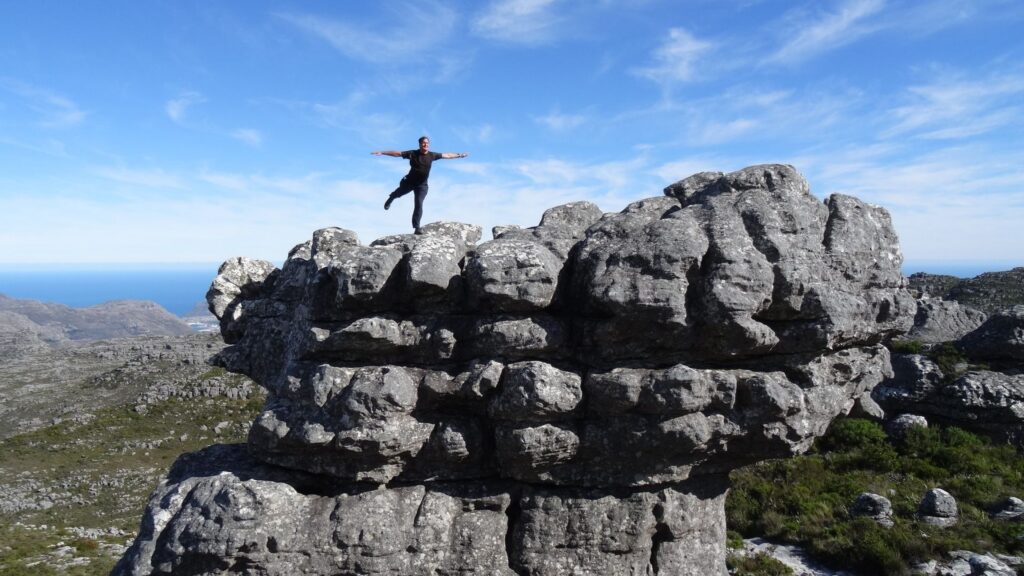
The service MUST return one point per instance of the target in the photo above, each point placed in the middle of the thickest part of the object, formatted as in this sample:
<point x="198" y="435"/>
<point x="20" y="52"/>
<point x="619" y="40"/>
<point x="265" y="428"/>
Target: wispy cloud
<point x="954" y="107"/>
<point x="827" y="31"/>
<point x="304" y="185"/>
<point x="676" y="59"/>
<point x="412" y="28"/>
<point x="529" y="22"/>
<point x="249" y="136"/>
<point x="154" y="178"/>
<point x="177" y="108"/>
<point x="560" y="122"/>
<point x="54" y="110"/>
<point x="928" y="17"/>
<point x="481" y="134"/>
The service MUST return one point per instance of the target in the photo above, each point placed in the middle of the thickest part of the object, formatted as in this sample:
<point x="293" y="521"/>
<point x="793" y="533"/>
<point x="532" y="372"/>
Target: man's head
<point x="424" y="144"/>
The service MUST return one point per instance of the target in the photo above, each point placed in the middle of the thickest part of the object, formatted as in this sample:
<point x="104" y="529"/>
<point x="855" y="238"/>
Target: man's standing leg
<point x="417" y="211"/>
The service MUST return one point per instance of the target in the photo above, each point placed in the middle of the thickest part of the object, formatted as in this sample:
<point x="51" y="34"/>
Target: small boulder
<point x="938" y="508"/>
<point x="898" y="426"/>
<point x="873" y="506"/>
<point x="1012" y="510"/>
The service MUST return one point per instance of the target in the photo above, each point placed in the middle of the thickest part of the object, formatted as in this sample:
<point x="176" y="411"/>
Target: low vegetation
<point x="72" y="494"/>
<point x="806" y="500"/>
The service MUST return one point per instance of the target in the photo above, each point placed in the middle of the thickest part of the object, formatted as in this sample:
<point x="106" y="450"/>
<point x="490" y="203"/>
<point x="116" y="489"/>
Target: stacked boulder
<point x="564" y="399"/>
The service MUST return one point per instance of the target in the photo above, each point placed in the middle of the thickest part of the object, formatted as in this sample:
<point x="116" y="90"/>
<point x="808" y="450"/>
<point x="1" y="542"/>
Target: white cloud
<point x="144" y="178"/>
<point x="176" y="108"/>
<point x="952" y="107"/>
<point x="54" y="110"/>
<point x="828" y="31"/>
<point x="560" y="122"/>
<point x="675" y="60"/>
<point x="413" y="28"/>
<point x="718" y="132"/>
<point x="528" y="22"/>
<point x="248" y="136"/>
<point x="479" y="134"/>
<point x="304" y="185"/>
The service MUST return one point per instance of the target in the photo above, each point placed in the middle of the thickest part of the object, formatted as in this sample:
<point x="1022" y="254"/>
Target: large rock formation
<point x="983" y="392"/>
<point x="565" y="399"/>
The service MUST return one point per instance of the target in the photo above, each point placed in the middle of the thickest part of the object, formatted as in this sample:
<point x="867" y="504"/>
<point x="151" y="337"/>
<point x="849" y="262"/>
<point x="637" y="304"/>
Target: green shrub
<point x="759" y="564"/>
<point x="805" y="500"/>
<point x="947" y="357"/>
<point x="907" y="346"/>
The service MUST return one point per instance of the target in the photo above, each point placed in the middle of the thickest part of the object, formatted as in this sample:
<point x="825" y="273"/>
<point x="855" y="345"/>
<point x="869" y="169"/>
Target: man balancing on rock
<point x="416" y="180"/>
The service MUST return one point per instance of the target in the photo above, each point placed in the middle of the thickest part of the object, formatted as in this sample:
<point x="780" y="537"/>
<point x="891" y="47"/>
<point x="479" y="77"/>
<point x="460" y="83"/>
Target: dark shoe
<point x="418" y="231"/>
<point x="387" y="203"/>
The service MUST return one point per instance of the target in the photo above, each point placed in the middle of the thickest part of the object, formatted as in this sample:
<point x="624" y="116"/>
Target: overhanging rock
<point x="566" y="397"/>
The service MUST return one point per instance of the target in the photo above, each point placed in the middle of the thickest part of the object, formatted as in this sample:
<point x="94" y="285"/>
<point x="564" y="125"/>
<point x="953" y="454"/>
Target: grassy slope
<point x="98" y="475"/>
<point x="805" y="500"/>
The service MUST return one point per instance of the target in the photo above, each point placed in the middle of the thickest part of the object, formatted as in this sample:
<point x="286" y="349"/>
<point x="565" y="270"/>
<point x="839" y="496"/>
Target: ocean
<point x="179" y="287"/>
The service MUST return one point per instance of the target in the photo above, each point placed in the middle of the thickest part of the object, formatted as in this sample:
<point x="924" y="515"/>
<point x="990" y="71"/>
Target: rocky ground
<point x="988" y="292"/>
<point x="48" y="384"/>
<point x="89" y="431"/>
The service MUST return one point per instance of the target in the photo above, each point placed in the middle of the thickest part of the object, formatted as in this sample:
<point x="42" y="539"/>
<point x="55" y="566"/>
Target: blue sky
<point x="192" y="131"/>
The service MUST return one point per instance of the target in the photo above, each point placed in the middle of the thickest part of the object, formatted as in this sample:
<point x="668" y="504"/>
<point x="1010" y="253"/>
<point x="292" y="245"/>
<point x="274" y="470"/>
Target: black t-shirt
<point x="419" y="164"/>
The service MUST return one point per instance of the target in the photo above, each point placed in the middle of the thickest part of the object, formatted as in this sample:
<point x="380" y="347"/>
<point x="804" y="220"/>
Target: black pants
<point x="420" y="192"/>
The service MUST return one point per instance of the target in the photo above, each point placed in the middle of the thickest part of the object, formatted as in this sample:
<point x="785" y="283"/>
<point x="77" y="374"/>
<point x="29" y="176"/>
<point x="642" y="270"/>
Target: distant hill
<point x="29" y="324"/>
<point x="200" y="310"/>
<point x="988" y="292"/>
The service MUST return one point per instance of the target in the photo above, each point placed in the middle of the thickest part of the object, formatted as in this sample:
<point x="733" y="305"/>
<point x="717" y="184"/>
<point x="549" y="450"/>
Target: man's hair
<point x="422" y="138"/>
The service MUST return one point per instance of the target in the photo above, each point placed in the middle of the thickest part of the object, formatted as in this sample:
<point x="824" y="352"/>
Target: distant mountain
<point x="28" y="324"/>
<point x="200" y="310"/>
<point x="989" y="292"/>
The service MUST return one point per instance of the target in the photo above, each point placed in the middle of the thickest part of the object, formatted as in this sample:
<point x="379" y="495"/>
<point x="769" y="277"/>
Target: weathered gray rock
<point x="938" y="508"/>
<point x="220" y="509"/>
<point x="1011" y="510"/>
<point x="967" y="563"/>
<point x="560" y="227"/>
<point x="597" y="376"/>
<point x="745" y="264"/>
<point x="1001" y="337"/>
<point x="898" y="426"/>
<point x="943" y="321"/>
<point x="508" y="275"/>
<point x="984" y="401"/>
<point x="231" y="294"/>
<point x="873" y="506"/>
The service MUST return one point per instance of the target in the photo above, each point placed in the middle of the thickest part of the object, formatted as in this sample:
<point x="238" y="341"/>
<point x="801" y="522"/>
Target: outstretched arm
<point x="394" y="153"/>
<point x="450" y="155"/>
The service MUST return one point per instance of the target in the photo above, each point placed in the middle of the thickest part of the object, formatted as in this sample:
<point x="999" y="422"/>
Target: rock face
<point x="1000" y="338"/>
<point x="943" y="321"/>
<point x="986" y="397"/>
<point x="562" y="399"/>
